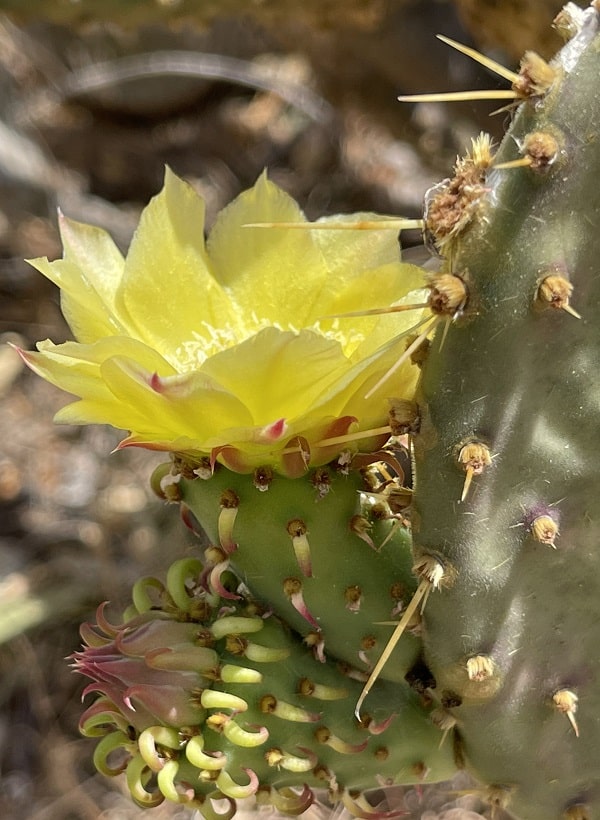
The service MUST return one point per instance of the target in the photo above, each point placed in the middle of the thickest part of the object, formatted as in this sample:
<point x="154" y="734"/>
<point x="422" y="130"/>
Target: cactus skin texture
<point x="351" y="570"/>
<point x="204" y="699"/>
<point x="516" y="635"/>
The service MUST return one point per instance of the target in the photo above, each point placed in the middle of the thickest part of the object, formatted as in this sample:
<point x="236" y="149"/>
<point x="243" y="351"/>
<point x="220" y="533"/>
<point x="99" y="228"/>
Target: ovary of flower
<point x="205" y="348"/>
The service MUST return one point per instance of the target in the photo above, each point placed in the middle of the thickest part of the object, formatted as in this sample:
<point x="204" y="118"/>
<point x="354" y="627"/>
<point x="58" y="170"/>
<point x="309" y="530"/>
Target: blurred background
<point x="96" y="96"/>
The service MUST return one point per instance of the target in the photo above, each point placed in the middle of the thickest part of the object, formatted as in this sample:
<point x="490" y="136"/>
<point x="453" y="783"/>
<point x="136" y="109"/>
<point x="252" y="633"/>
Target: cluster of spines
<point x="249" y="723"/>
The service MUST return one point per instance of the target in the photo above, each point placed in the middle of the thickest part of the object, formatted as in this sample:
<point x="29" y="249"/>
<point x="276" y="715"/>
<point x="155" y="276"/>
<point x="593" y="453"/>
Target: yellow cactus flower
<point x="226" y="348"/>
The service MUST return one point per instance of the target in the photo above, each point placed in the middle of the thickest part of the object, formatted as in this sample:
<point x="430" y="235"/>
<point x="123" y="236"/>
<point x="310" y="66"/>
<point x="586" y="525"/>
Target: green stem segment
<point x="232" y="726"/>
<point x="516" y="635"/>
<point x="316" y="559"/>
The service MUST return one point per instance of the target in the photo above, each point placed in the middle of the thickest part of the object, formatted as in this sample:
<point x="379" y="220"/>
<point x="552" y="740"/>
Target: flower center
<point x="189" y="355"/>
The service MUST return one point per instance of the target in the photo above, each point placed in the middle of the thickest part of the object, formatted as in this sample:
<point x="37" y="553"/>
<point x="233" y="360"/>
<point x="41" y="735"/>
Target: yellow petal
<point x="392" y="284"/>
<point x="351" y="260"/>
<point x="88" y="276"/>
<point x="346" y="395"/>
<point x="278" y="373"/>
<point x="194" y="406"/>
<point x="100" y="265"/>
<point x="272" y="269"/>
<point x="76" y="368"/>
<point x="168" y="291"/>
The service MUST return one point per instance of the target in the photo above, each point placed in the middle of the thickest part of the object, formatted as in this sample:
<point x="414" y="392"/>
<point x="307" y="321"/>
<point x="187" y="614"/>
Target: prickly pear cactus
<point x="509" y="446"/>
<point x="268" y="666"/>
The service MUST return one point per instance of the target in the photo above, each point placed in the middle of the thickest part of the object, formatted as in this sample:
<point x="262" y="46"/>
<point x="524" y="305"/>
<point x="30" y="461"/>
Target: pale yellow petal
<point x="88" y="276"/>
<point x="76" y="368"/>
<point x="193" y="406"/>
<point x="98" y="405"/>
<point x="347" y="394"/>
<point x="74" y="353"/>
<point x="94" y="252"/>
<point x="117" y="389"/>
<point x="373" y="411"/>
<point x="377" y="287"/>
<point x="87" y="316"/>
<point x="394" y="328"/>
<point x="272" y="272"/>
<point x="278" y="374"/>
<point x="103" y="411"/>
<point x="168" y="292"/>
<point x="349" y="260"/>
<point x="69" y="373"/>
<point x="393" y="284"/>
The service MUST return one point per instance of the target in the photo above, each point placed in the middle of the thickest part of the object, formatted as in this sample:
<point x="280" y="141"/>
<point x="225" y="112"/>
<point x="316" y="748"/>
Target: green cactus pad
<point x="508" y="453"/>
<point x="313" y="550"/>
<point x="203" y="700"/>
